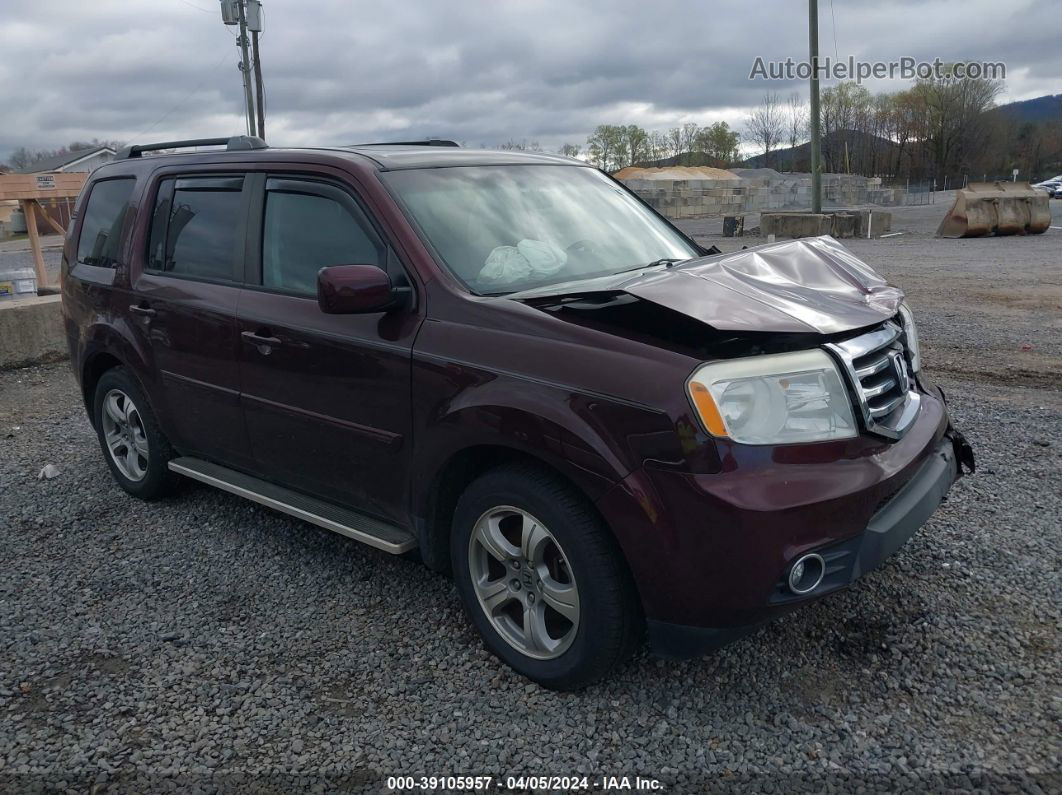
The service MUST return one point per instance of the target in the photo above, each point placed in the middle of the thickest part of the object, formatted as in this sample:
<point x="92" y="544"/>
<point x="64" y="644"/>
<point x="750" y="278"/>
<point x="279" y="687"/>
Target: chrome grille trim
<point x="875" y="367"/>
<point x="878" y="389"/>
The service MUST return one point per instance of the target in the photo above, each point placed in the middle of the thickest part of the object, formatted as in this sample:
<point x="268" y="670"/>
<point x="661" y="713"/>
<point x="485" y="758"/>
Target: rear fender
<point x="117" y="341"/>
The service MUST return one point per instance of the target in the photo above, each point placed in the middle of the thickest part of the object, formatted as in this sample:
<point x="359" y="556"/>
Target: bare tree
<point x="520" y="146"/>
<point x="570" y="150"/>
<point x="765" y="125"/>
<point x="23" y="157"/>
<point x="954" y="114"/>
<point x="796" y="125"/>
<point x="637" y="141"/>
<point x="674" y="141"/>
<point x="688" y="134"/>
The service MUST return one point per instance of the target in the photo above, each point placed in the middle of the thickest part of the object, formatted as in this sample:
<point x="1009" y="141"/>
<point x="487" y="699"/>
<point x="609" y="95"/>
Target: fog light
<point x="806" y="574"/>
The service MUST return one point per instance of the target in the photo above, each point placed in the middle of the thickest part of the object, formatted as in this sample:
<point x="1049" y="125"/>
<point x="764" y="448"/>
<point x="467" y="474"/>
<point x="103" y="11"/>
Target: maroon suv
<point x="511" y="365"/>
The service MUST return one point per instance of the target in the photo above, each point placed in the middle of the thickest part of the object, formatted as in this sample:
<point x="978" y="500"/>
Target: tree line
<point x="612" y="147"/>
<point x="937" y="126"/>
<point x="933" y="128"/>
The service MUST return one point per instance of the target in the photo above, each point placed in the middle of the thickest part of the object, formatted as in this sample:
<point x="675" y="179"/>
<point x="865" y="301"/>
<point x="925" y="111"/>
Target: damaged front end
<point x="829" y="447"/>
<point x="807" y="286"/>
<point x="781" y="298"/>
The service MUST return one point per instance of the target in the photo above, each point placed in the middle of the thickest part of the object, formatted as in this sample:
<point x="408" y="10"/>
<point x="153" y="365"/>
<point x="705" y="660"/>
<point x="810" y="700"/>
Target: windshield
<point x="502" y="229"/>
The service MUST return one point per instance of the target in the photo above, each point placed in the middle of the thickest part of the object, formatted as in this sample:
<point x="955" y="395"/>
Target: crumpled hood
<point x="807" y="285"/>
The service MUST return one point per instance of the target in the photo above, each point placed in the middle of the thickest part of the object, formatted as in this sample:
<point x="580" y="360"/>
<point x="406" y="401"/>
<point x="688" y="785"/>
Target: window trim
<point x="239" y="238"/>
<point x="123" y="229"/>
<point x="324" y="187"/>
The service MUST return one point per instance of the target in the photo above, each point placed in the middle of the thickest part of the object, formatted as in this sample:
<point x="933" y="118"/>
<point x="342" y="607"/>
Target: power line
<point x="180" y="103"/>
<point x="833" y="25"/>
<point x="197" y="8"/>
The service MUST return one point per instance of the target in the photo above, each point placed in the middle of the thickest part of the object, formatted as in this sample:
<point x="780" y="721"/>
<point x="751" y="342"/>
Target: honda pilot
<point x="510" y="366"/>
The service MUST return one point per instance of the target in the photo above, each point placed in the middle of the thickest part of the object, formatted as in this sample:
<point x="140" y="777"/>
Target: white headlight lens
<point x="911" y="330"/>
<point x="777" y="399"/>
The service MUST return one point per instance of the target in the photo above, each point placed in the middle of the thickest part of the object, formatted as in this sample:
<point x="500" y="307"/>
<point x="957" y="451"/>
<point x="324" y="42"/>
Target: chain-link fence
<point x="908" y="193"/>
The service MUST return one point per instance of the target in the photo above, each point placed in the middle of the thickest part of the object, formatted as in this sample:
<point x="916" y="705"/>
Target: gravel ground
<point x="204" y="642"/>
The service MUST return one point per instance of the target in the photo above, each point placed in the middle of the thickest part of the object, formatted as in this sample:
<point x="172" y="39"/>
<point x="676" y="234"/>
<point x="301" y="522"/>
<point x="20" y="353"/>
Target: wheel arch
<point x="105" y="349"/>
<point x="438" y="500"/>
<point x="92" y="370"/>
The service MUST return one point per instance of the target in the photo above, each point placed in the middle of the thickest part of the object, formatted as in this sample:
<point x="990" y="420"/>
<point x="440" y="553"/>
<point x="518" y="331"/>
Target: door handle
<point x="258" y="339"/>
<point x="142" y="309"/>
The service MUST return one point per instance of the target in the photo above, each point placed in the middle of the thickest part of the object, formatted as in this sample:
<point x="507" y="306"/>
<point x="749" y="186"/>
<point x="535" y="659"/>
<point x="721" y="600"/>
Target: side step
<point x="349" y="523"/>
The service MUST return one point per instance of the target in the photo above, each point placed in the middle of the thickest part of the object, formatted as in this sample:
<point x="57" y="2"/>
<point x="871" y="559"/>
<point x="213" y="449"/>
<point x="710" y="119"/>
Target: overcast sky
<point x="479" y="71"/>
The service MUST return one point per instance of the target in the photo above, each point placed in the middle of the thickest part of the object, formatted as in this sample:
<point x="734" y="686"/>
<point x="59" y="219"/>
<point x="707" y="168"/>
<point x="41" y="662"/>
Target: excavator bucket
<point x="997" y="208"/>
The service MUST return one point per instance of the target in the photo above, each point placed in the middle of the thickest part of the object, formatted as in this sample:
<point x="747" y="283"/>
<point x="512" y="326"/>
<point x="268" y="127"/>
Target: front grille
<point x="875" y="365"/>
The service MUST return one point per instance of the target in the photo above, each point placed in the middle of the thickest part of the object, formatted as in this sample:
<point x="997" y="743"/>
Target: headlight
<point x="777" y="399"/>
<point x="911" y="332"/>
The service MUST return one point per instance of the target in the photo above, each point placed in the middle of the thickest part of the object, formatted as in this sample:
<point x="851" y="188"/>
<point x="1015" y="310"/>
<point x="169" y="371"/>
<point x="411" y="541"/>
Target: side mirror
<point x="357" y="289"/>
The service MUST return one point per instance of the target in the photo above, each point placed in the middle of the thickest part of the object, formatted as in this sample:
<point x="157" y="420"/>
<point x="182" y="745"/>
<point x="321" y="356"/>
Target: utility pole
<point x="816" y="132"/>
<point x="245" y="68"/>
<point x="233" y="13"/>
<point x="259" y="91"/>
<point x="253" y="12"/>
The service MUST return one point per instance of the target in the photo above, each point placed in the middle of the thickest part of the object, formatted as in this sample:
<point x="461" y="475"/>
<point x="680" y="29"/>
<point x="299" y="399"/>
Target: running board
<point x="346" y="522"/>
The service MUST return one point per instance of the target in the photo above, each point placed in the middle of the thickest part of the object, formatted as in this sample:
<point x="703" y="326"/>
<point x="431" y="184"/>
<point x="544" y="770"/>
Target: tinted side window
<point x="303" y="233"/>
<point x="101" y="231"/>
<point x="194" y="229"/>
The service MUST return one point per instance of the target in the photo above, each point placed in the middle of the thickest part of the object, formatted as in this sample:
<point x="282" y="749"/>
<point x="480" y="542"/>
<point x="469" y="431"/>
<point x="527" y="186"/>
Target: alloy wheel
<point x="524" y="582"/>
<point x="124" y="434"/>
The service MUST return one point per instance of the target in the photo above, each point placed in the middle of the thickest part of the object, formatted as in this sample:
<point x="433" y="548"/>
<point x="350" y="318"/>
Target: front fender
<point x="593" y="440"/>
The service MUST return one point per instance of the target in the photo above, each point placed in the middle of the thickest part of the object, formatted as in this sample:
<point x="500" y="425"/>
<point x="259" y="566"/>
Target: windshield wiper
<point x="656" y="263"/>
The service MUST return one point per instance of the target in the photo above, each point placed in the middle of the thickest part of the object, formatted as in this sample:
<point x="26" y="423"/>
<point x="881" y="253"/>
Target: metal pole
<point x="816" y="133"/>
<point x="245" y="69"/>
<point x="259" y="91"/>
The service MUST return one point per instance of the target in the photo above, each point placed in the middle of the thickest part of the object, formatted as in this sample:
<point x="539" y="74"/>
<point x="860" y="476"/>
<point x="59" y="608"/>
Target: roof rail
<point x="425" y="142"/>
<point x="235" y="143"/>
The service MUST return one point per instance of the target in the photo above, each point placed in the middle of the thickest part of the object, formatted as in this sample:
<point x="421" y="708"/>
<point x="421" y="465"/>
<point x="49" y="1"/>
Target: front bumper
<point x="888" y="530"/>
<point x="709" y="552"/>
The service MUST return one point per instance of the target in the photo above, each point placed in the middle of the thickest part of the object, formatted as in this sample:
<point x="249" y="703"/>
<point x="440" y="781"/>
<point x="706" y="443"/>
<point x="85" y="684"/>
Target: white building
<point x="81" y="160"/>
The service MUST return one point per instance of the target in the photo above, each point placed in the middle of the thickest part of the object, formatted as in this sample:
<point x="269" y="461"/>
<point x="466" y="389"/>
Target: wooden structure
<point x="28" y="190"/>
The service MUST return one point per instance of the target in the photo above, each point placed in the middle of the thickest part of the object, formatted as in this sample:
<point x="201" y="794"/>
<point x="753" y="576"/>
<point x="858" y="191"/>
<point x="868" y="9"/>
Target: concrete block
<point x="794" y="225"/>
<point x="31" y="331"/>
<point x="840" y="224"/>
<point x="844" y="224"/>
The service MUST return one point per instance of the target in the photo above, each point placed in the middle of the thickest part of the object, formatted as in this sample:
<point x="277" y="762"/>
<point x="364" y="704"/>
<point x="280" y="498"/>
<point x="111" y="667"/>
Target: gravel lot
<point x="204" y="642"/>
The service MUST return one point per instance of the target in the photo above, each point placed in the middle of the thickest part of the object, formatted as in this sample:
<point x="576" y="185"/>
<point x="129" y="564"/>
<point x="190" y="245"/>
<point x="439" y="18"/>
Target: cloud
<point x="477" y="71"/>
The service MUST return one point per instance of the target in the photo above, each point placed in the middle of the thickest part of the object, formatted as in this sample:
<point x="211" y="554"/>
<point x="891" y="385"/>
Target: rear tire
<point x="136" y="451"/>
<point x="542" y="579"/>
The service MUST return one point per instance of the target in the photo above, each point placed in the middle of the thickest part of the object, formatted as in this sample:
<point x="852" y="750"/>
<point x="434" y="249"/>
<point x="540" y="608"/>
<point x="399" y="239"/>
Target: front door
<point x="184" y="299"/>
<point x="326" y="397"/>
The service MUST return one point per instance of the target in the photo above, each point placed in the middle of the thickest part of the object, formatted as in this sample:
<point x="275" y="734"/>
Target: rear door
<point x="326" y="397"/>
<point x="184" y="302"/>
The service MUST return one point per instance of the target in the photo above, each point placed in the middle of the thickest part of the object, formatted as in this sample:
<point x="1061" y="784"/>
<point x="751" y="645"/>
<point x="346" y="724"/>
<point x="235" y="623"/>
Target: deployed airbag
<point x="512" y="264"/>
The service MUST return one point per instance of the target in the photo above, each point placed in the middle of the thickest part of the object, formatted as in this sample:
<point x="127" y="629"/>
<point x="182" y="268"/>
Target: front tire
<point x="542" y="579"/>
<point x="133" y="446"/>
